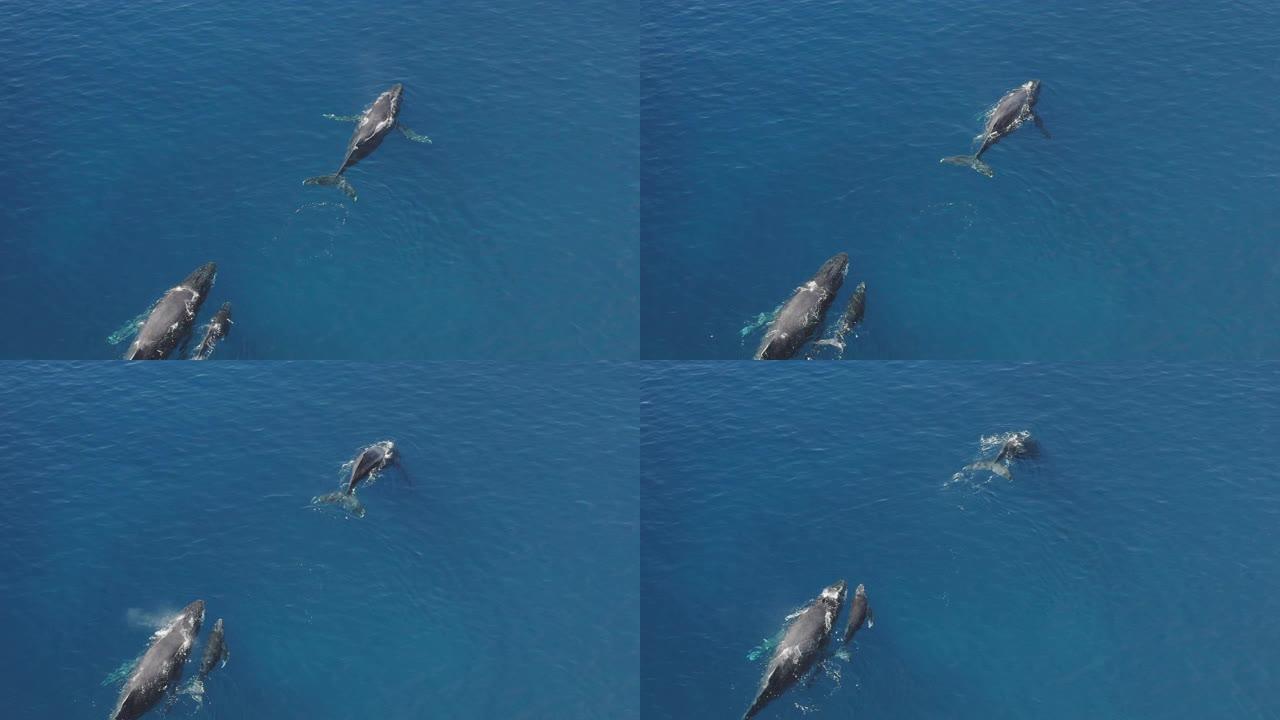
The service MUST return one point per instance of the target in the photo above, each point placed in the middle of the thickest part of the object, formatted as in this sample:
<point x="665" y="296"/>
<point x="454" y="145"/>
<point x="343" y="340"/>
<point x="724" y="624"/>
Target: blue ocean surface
<point x="494" y="574"/>
<point x="1128" y="571"/>
<point x="775" y="134"/>
<point x="145" y="138"/>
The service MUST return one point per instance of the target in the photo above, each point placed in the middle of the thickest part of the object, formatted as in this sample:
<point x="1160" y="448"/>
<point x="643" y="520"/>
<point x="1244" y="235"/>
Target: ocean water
<point x="145" y="138"/>
<point x="776" y="134"/>
<point x="1129" y="571"/>
<point x="494" y="574"/>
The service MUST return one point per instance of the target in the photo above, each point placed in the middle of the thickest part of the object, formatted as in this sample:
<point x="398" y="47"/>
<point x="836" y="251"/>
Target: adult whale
<point x="801" y="646"/>
<point x="160" y="668"/>
<point x="804" y="311"/>
<point x="218" y="328"/>
<point x="168" y="325"/>
<point x="374" y="124"/>
<point x="1016" y="107"/>
<point x="370" y="460"/>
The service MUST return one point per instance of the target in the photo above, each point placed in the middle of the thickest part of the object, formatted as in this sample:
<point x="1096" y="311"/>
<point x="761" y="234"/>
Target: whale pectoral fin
<point x="130" y="328"/>
<point x="1040" y="124"/>
<point x="761" y="320"/>
<point x="342" y="118"/>
<point x="413" y="135"/>
<point x="871" y="617"/>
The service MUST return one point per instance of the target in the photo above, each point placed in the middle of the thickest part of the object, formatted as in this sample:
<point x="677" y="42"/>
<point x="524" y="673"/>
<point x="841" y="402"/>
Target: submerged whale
<point x="801" y="647"/>
<point x="370" y="460"/>
<point x="168" y="324"/>
<point x="1016" y="107"/>
<point x="1015" y="445"/>
<point x="372" y="126"/>
<point x="804" y="311"/>
<point x="217" y="329"/>
<point x="160" y="669"/>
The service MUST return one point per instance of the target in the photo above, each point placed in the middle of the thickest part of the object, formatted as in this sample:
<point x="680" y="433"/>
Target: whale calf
<point x="802" y="646"/>
<point x="804" y="311"/>
<point x="216" y="653"/>
<point x="859" y="613"/>
<point x="370" y="460"/>
<point x="849" y="319"/>
<point x="160" y="668"/>
<point x="217" y="329"/>
<point x="1016" y="107"/>
<point x="372" y="126"/>
<point x="168" y="324"/>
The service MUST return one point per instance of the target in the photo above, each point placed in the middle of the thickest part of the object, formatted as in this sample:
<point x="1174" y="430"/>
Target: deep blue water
<point x="775" y="134"/>
<point x="495" y="576"/>
<point x="1128" y="572"/>
<point x="144" y="138"/>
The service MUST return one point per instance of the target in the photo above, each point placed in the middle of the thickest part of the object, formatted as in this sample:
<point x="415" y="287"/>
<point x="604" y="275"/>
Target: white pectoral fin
<point x="413" y="135"/>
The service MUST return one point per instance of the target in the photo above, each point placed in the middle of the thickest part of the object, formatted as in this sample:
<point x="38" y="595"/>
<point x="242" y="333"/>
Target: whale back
<point x="376" y="121"/>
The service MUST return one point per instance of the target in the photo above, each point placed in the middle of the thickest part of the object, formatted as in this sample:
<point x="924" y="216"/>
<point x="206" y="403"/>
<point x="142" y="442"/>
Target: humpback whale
<point x="801" y="646"/>
<point x="372" y="126"/>
<point x="859" y="613"/>
<point x="216" y="653"/>
<point x="804" y="311"/>
<point x="1013" y="446"/>
<point x="1016" y="107"/>
<point x="160" y="669"/>
<point x="849" y="319"/>
<point x="168" y="325"/>
<point x="218" y="328"/>
<point x="370" y="460"/>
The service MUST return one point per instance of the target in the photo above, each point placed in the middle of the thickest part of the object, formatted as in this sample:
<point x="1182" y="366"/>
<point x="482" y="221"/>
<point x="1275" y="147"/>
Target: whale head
<point x="201" y="279"/>
<point x="192" y="616"/>
<point x="1033" y="90"/>
<point x="834" y="593"/>
<point x="832" y="272"/>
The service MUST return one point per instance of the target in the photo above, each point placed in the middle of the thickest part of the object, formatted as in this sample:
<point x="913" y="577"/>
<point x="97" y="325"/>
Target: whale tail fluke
<point x="334" y="180"/>
<point x="347" y="502"/>
<point x="991" y="466"/>
<point x="969" y="161"/>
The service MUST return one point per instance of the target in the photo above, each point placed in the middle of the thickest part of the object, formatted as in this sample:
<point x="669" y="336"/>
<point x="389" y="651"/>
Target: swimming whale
<point x="217" y="329"/>
<point x="160" y="668"/>
<point x="1016" y="107"/>
<point x="804" y="311"/>
<point x="216" y="653"/>
<point x="372" y="126"/>
<point x="1017" y="445"/>
<point x="803" y="644"/>
<point x="859" y="613"/>
<point x="168" y="325"/>
<point x="849" y="319"/>
<point x="370" y="460"/>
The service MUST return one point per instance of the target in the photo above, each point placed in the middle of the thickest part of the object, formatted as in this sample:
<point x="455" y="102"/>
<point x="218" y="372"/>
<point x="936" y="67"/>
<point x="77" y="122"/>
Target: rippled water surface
<point x="776" y="134"/>
<point x="1128" y="571"/>
<point x="494" y="574"/>
<point x="144" y="138"/>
